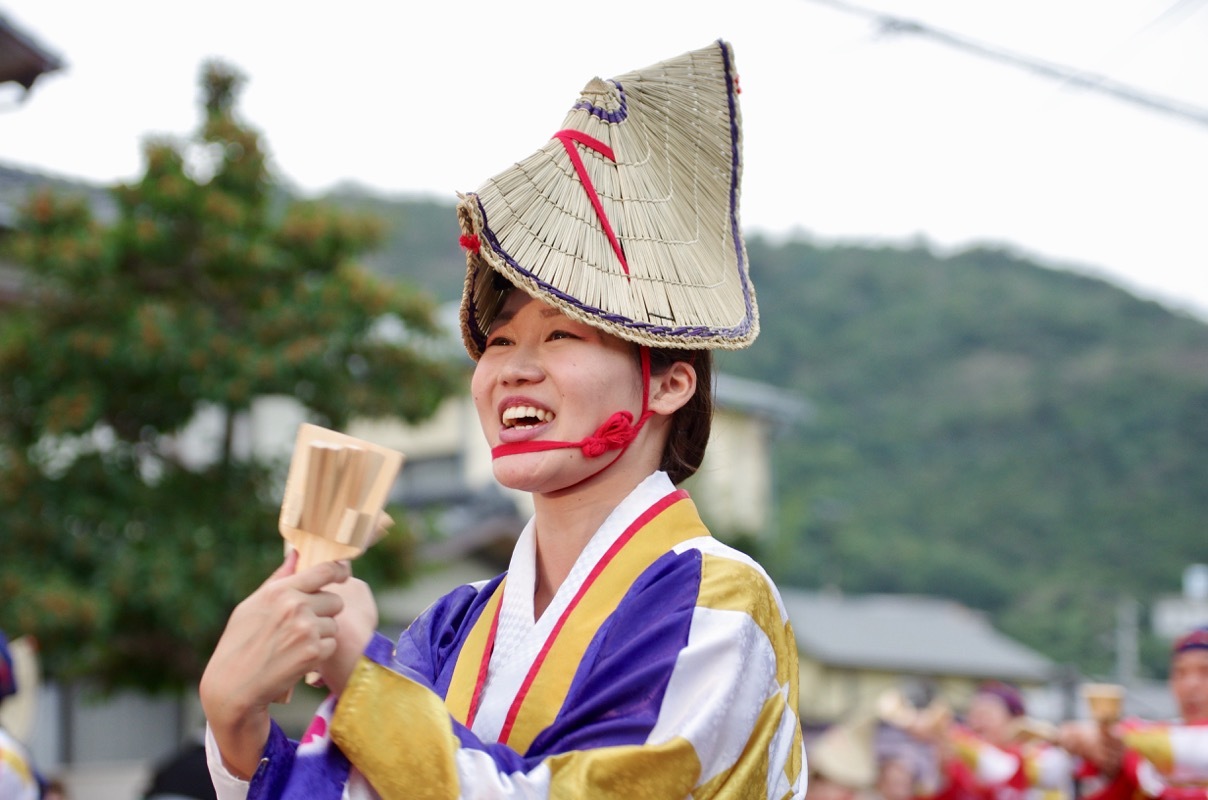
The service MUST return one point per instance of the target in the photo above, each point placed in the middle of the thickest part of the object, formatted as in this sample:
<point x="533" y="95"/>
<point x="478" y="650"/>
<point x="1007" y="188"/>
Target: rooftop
<point x="22" y="59"/>
<point x="908" y="633"/>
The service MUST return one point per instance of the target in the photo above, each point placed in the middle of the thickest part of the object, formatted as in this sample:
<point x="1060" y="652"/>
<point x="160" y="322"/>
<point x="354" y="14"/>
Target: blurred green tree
<point x="210" y="289"/>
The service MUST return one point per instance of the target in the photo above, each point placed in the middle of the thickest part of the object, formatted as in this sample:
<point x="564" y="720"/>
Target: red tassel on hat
<point x="470" y="242"/>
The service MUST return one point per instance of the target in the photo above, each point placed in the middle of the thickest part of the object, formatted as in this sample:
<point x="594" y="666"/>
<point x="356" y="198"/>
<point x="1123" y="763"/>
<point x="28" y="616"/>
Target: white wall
<point x="733" y="486"/>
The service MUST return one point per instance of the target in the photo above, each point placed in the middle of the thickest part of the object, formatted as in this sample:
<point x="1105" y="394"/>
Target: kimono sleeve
<point x="1140" y="775"/>
<point x="423" y="650"/>
<point x="1179" y="750"/>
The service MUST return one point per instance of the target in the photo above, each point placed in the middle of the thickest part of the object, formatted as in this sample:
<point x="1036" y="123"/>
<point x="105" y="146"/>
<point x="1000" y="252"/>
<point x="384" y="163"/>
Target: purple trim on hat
<point x="697" y="332"/>
<point x="608" y="116"/>
<point x="734" y="175"/>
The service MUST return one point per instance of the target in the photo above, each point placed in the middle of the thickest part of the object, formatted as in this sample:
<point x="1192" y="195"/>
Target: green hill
<point x="1026" y="440"/>
<point x="421" y="240"/>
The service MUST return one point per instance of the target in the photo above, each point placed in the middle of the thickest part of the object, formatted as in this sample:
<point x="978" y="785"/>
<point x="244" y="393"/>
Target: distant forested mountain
<point x="420" y="247"/>
<point x="1028" y="441"/>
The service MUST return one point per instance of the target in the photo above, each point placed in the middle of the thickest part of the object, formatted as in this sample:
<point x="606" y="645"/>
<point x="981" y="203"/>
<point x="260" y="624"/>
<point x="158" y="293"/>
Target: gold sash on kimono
<point x="671" y="520"/>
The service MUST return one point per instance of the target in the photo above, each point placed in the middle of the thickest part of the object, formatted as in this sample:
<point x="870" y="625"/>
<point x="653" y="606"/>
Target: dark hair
<point x="1008" y="694"/>
<point x="690" y="425"/>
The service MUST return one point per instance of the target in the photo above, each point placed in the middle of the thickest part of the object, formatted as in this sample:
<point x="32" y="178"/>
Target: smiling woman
<point x="625" y="652"/>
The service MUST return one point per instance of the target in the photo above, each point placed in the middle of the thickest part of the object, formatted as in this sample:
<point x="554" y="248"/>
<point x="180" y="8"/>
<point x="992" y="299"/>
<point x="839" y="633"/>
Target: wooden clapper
<point x="335" y="491"/>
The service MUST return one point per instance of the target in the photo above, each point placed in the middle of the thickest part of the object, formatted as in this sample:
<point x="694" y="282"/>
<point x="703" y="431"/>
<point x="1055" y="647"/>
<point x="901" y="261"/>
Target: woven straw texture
<point x="628" y="218"/>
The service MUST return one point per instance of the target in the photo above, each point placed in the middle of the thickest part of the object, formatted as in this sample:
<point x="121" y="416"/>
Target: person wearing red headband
<point x="1137" y="759"/>
<point x="625" y="652"/>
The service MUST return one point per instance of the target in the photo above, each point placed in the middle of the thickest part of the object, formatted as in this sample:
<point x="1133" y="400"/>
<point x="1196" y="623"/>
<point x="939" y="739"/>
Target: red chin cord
<point x="617" y="432"/>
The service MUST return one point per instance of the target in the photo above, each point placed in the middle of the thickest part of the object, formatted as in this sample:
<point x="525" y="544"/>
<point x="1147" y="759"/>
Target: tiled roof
<point x="908" y="633"/>
<point x="761" y="399"/>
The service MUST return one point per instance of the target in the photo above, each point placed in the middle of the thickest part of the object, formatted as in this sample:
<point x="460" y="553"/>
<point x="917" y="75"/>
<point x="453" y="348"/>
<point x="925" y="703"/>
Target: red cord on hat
<point x="568" y="137"/>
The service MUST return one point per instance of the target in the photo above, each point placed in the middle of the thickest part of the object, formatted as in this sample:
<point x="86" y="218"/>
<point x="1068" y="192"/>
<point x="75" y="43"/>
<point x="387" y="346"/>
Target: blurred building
<point x="22" y="62"/>
<point x="1174" y="615"/>
<point x="22" y="59"/>
<point x="856" y="648"/>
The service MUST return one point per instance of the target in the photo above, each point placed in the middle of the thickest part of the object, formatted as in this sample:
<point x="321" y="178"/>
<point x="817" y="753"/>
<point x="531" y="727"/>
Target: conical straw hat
<point x="846" y="753"/>
<point x="628" y="218"/>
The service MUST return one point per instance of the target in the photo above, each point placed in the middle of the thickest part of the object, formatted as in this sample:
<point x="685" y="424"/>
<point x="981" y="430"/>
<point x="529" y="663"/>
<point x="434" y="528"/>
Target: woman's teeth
<point x="526" y="416"/>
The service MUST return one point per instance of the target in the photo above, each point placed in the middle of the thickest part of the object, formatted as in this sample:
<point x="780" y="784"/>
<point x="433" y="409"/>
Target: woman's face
<point x="989" y="718"/>
<point x="1189" y="684"/>
<point x="543" y="376"/>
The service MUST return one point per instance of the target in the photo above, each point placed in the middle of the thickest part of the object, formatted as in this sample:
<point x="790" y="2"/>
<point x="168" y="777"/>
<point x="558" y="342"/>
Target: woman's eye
<point x="498" y="341"/>
<point x="562" y="335"/>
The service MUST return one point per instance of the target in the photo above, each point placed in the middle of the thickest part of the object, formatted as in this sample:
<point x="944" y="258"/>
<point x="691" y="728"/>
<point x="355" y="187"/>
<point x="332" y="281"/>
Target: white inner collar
<point x="519" y="638"/>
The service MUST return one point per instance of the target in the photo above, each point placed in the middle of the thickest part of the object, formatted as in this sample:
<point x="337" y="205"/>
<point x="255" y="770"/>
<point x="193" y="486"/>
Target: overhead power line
<point x="889" y="23"/>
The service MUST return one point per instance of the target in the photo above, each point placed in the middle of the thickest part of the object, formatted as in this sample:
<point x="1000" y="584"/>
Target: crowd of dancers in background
<point x="994" y="751"/>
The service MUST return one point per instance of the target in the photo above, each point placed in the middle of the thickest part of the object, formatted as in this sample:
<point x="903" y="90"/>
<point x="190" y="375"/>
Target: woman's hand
<point x="281" y="631"/>
<point x="354" y="628"/>
<point x="355" y="624"/>
<point x="1099" y="744"/>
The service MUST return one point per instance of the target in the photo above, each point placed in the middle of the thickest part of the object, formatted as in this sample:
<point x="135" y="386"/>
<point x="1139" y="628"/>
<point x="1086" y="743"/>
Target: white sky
<point x="849" y="133"/>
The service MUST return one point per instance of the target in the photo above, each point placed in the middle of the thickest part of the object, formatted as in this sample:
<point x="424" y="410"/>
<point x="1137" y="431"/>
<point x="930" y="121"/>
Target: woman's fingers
<point x="312" y="578"/>
<point x="283" y="630"/>
<point x="314" y="636"/>
<point x="287" y="567"/>
<point x="327" y="627"/>
<point x="283" y="621"/>
<point x="326" y="604"/>
<point x="355" y="626"/>
<point x="315" y="578"/>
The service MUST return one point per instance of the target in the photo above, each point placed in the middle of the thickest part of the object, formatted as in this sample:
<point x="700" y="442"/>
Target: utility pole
<point x="1127" y="636"/>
